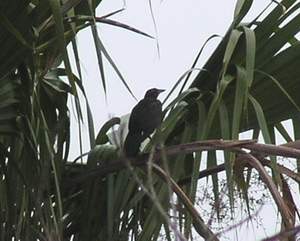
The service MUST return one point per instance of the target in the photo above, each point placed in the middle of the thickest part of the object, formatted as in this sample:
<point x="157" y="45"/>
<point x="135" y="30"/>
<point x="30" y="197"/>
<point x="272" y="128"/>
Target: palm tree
<point x="45" y="196"/>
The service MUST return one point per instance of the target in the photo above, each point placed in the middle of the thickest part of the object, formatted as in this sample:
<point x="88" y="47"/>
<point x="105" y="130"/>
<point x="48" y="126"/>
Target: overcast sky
<point x="182" y="28"/>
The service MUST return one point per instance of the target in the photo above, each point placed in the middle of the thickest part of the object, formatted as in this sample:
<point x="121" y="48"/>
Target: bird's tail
<point x="132" y="144"/>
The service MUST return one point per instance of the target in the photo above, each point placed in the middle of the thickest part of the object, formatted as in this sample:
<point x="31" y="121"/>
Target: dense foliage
<point x="250" y="82"/>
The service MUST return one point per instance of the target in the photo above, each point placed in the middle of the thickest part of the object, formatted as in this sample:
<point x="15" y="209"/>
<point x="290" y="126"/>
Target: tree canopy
<point x="250" y="82"/>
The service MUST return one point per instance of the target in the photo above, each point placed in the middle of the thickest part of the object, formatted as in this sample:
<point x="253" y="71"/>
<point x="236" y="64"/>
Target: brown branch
<point x="207" y="146"/>
<point x="198" y="222"/>
<point x="207" y="172"/>
<point x="283" y="209"/>
<point x="281" y="169"/>
<point x="268" y="149"/>
<point x="293" y="144"/>
<point x="235" y="226"/>
<point x="120" y="164"/>
<point x="219" y="168"/>
<point x="234" y="146"/>
<point x="284" y="234"/>
<point x="261" y="150"/>
<point x="258" y="165"/>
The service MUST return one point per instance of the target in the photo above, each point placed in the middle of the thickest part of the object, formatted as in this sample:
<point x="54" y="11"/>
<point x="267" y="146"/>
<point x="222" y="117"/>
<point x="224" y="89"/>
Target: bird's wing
<point x="135" y="117"/>
<point x="145" y="116"/>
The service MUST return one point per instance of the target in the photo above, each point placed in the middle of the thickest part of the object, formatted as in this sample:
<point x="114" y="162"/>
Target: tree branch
<point x="198" y="222"/>
<point x="234" y="146"/>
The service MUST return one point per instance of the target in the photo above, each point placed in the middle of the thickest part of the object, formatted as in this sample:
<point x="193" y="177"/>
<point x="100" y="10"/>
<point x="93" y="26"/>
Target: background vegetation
<point x="250" y="82"/>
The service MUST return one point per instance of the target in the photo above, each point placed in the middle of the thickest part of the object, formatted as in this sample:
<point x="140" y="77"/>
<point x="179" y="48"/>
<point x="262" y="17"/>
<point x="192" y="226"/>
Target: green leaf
<point x="98" y="46"/>
<point x="277" y="83"/>
<point x="214" y="106"/>
<point x="173" y="119"/>
<point x="212" y="162"/>
<point x="197" y="162"/>
<point x="241" y="9"/>
<point x="102" y="137"/>
<point x="261" y="120"/>
<point x="231" y="46"/>
<point x="179" y="98"/>
<point x="250" y="53"/>
<point x="101" y="49"/>
<point x="56" y="11"/>
<point x="283" y="132"/>
<point x="13" y="30"/>
<point x="265" y="132"/>
<point x="240" y="91"/>
<point x="196" y="60"/>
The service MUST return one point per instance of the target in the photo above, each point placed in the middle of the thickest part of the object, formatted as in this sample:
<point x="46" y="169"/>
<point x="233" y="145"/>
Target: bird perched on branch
<point x="145" y="117"/>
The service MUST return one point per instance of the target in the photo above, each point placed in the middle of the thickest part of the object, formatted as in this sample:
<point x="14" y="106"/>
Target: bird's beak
<point x="160" y="91"/>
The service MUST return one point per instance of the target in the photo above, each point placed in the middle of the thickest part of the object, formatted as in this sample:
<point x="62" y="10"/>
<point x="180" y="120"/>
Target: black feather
<point x="132" y="144"/>
<point x="145" y="117"/>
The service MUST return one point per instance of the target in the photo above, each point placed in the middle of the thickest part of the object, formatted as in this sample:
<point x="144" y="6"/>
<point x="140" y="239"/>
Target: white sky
<point x="182" y="28"/>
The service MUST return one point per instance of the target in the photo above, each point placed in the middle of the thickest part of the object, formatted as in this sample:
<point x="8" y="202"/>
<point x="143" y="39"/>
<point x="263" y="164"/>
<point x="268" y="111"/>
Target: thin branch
<point x="219" y="168"/>
<point x="268" y="149"/>
<point x="282" y="207"/>
<point x="282" y="169"/>
<point x="284" y="235"/>
<point x="120" y="164"/>
<point x="239" y="147"/>
<point x="235" y="226"/>
<point x="205" y="173"/>
<point x="199" y="224"/>
<point x="234" y="146"/>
